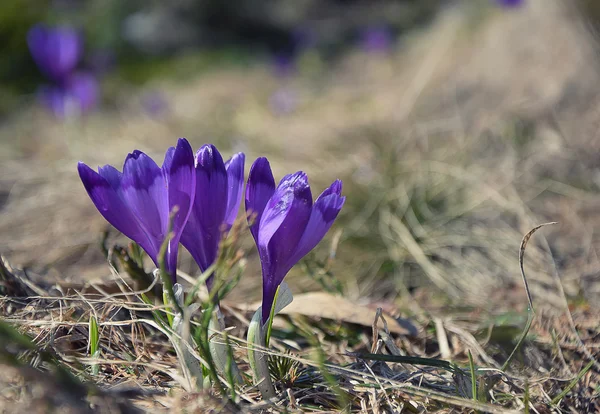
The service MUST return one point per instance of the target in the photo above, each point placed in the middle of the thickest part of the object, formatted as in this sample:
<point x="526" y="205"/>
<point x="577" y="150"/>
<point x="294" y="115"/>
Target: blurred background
<point x="456" y="126"/>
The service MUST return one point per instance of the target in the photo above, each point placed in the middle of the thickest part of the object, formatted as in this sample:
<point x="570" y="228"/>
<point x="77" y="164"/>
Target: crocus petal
<point x="56" y="51"/>
<point x="324" y="212"/>
<point x="334" y="188"/>
<point x="202" y="232"/>
<point x="281" y="226"/>
<point x="144" y="191"/>
<point x="112" y="175"/>
<point x="178" y="170"/>
<point x="260" y="188"/>
<point x="290" y="204"/>
<point x="235" y="184"/>
<point x="101" y="190"/>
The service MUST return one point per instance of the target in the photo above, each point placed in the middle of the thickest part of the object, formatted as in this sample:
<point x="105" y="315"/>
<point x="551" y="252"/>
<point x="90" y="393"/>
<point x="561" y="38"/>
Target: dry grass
<point x="451" y="148"/>
<point x="330" y="366"/>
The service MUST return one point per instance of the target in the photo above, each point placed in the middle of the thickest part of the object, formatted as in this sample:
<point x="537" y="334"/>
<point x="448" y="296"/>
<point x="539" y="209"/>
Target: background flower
<point x="510" y="3"/>
<point x="376" y="39"/>
<point x="77" y="96"/>
<point x="56" y="51"/>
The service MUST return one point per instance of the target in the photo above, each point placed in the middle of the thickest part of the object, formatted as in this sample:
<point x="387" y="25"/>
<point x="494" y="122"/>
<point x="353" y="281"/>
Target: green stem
<point x="271" y="317"/>
<point x="572" y="384"/>
<point x="259" y="360"/>
<point x="203" y="344"/>
<point x="220" y="349"/>
<point x="473" y="377"/>
<point x="166" y="278"/>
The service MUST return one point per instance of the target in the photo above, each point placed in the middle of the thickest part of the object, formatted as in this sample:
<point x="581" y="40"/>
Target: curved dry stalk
<point x="530" y="310"/>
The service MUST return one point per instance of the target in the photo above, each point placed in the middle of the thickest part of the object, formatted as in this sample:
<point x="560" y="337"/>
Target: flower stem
<point x="259" y="360"/>
<point x="162" y="265"/>
<point x="220" y="348"/>
<point x="269" y="324"/>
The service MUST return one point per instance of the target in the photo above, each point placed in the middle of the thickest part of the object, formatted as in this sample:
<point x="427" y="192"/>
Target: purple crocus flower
<point x="56" y="51"/>
<point x="218" y="194"/>
<point x="284" y="65"/>
<point x="285" y="62"/>
<point x="155" y="104"/>
<point x="283" y="101"/>
<point x="286" y="225"/>
<point x="510" y="3"/>
<point x="376" y="39"/>
<point x="139" y="201"/>
<point x="77" y="95"/>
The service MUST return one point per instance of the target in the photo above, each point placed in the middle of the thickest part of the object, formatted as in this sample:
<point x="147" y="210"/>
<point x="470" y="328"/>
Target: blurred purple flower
<point x="284" y="65"/>
<point x="376" y="39"/>
<point x="218" y="195"/>
<point x="287" y="225"/>
<point x="139" y="201"/>
<point x="56" y="51"/>
<point x="510" y="3"/>
<point x="283" y="101"/>
<point x="77" y="95"/>
<point x="284" y="62"/>
<point x="154" y="104"/>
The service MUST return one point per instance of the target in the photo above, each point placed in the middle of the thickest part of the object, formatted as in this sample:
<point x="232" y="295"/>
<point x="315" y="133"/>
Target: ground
<point x="451" y="147"/>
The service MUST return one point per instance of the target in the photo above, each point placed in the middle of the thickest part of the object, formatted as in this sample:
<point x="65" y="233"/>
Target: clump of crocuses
<point x="195" y="200"/>
<point x="57" y="52"/>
